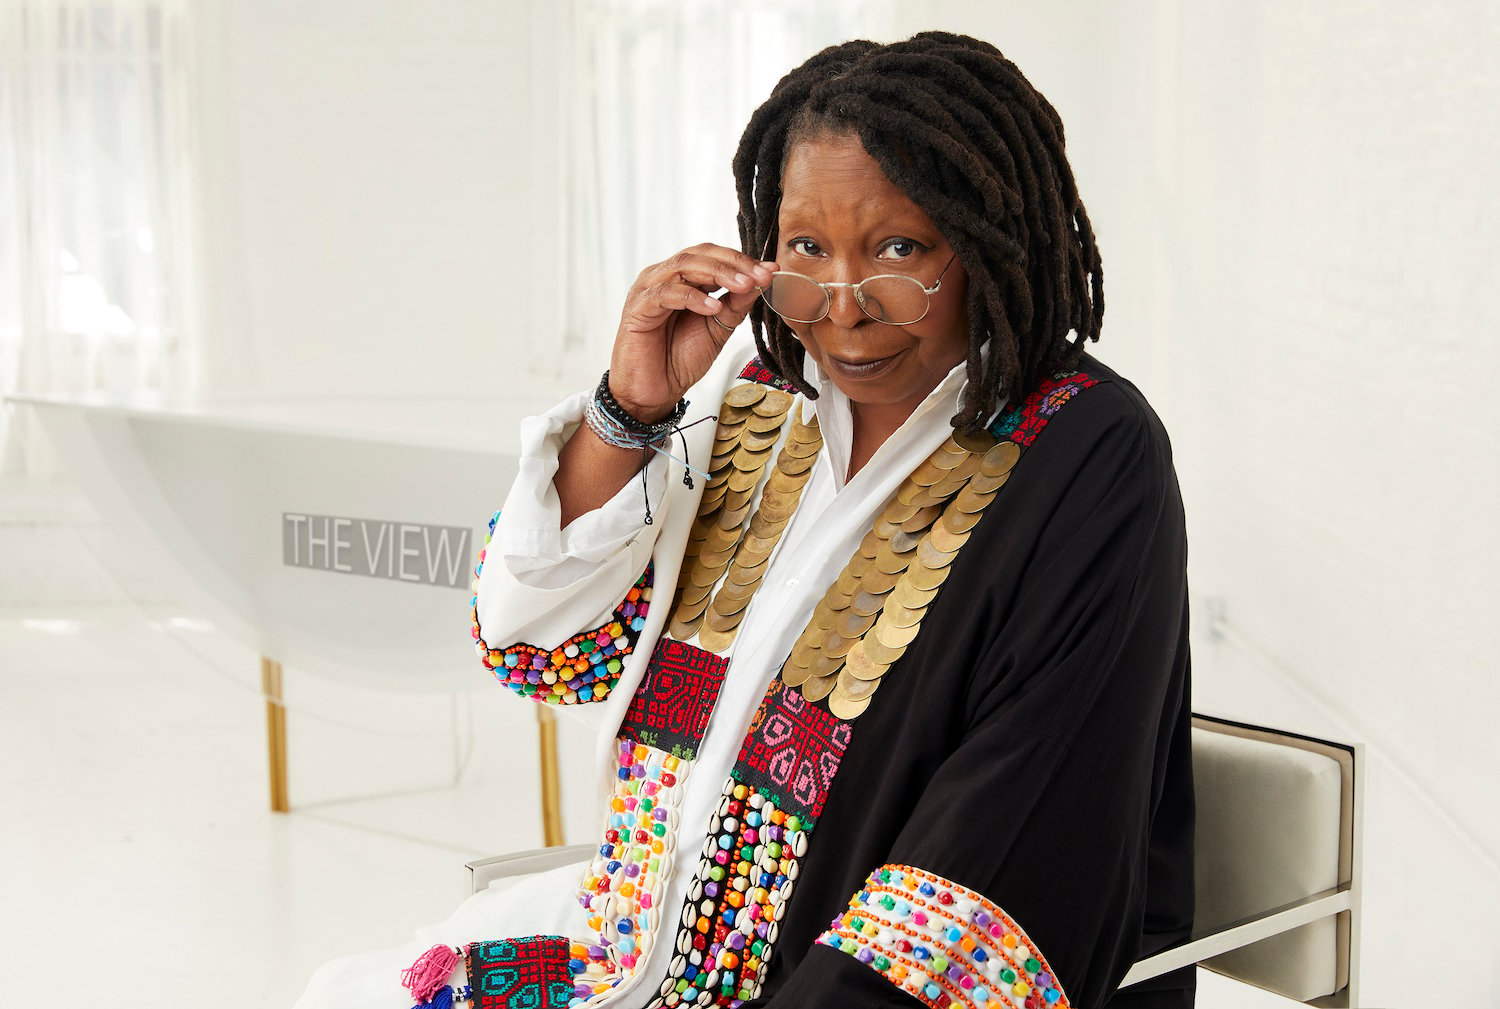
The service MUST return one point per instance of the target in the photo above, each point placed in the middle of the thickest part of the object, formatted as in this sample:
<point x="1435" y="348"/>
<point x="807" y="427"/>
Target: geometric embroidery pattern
<point x="671" y="707"/>
<point x="1024" y="423"/>
<point x="529" y="973"/>
<point x="793" y="750"/>
<point x="756" y="371"/>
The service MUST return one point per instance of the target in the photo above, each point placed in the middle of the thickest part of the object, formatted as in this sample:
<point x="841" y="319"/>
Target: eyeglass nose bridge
<point x="859" y="288"/>
<point x="863" y="302"/>
<point x="828" y="289"/>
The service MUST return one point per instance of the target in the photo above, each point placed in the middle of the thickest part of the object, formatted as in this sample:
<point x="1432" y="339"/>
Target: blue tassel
<point x="442" y="999"/>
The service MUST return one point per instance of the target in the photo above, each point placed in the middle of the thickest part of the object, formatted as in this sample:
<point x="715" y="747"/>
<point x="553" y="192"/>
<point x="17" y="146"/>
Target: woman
<point x="899" y="694"/>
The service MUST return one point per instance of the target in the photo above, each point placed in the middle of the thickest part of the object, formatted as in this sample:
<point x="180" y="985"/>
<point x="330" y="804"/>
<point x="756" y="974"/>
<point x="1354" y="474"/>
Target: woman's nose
<point x="843" y="308"/>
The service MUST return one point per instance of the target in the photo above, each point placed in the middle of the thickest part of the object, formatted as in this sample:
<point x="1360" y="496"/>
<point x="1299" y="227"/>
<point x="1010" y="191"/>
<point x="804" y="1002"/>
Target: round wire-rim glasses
<point x="891" y="298"/>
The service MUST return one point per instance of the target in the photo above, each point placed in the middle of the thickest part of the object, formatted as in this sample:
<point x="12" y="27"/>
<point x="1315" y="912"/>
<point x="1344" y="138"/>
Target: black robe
<point x="1032" y="744"/>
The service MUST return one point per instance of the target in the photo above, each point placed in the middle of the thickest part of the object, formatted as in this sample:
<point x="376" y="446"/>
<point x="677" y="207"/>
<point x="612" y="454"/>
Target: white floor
<point x="139" y="863"/>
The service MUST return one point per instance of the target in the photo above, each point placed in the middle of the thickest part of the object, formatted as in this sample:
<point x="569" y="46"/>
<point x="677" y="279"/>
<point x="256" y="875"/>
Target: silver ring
<point x="727" y="329"/>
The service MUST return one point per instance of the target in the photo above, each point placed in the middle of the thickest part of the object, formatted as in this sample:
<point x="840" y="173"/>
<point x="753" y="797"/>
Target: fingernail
<point x="740" y="278"/>
<point x="771" y="267"/>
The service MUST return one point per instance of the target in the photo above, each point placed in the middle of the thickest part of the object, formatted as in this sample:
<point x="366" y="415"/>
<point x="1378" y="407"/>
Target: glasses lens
<point x="894" y="300"/>
<point x="795" y="298"/>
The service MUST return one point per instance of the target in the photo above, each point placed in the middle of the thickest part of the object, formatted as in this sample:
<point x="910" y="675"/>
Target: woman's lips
<point x="869" y="368"/>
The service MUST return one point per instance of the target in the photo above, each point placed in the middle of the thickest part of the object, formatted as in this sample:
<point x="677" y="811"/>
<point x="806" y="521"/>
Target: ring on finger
<point x="721" y="325"/>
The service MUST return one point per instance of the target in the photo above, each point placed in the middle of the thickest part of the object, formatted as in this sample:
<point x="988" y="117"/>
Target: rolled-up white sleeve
<point x="541" y="583"/>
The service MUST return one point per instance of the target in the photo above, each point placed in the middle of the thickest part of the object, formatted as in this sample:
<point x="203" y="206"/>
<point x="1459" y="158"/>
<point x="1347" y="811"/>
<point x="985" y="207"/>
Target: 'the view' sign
<point x="403" y="551"/>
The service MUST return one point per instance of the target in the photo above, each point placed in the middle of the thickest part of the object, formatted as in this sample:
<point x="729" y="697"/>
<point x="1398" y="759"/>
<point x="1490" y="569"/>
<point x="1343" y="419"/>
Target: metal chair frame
<point x="1343" y="899"/>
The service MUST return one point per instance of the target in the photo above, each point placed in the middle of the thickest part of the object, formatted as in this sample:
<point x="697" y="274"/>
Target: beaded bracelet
<point x="616" y="426"/>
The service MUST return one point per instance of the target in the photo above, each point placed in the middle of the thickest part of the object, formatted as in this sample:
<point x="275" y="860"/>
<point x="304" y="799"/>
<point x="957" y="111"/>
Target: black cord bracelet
<point x="649" y="432"/>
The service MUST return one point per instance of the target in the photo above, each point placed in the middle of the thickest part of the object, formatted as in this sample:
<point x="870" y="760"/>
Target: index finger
<point x="741" y="262"/>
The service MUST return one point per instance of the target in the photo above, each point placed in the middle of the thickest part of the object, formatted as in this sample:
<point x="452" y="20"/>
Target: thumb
<point x="736" y="306"/>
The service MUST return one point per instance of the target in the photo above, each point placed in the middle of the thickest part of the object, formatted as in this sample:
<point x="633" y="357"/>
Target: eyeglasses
<point x="890" y="297"/>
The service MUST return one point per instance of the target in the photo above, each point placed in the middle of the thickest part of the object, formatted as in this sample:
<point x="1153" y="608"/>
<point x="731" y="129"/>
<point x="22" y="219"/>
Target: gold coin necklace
<point x="875" y="608"/>
<point x="720" y="545"/>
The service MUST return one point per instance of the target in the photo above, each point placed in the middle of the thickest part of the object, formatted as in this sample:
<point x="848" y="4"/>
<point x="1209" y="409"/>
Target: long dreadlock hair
<point x="957" y="128"/>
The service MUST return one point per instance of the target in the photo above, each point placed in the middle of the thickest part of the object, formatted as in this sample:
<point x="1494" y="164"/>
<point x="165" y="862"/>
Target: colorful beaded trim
<point x="730" y="919"/>
<point x="619" y="891"/>
<point x="943" y="943"/>
<point x="658" y="741"/>
<point x="584" y="668"/>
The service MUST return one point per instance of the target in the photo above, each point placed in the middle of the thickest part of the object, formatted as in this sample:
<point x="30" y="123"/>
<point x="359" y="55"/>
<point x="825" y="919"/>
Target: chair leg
<point x="270" y="685"/>
<point x="552" y="827"/>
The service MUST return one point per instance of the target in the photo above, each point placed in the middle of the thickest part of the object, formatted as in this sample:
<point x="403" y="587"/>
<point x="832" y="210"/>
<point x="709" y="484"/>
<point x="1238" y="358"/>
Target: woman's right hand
<point x="671" y="329"/>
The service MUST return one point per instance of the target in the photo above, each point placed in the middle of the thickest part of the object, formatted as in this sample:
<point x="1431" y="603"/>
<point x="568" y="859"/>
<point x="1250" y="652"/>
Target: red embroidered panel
<point x="529" y="973"/>
<point x="671" y="707"/>
<point x="756" y="371"/>
<point x="793" y="749"/>
<point x="1024" y="423"/>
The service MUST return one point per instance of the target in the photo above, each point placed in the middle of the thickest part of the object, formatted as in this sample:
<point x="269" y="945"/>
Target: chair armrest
<point x="1241" y="933"/>
<point x="483" y="871"/>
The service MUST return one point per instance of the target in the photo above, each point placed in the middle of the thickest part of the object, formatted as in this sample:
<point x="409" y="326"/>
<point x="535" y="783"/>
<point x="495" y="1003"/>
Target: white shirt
<point x="541" y="584"/>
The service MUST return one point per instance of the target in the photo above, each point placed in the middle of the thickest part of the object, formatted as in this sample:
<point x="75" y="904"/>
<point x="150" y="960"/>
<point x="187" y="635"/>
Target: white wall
<point x="378" y="194"/>
<point x="1296" y="207"/>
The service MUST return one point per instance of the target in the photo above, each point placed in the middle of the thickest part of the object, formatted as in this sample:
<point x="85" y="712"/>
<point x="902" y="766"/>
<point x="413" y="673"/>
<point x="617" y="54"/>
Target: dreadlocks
<point x="957" y="128"/>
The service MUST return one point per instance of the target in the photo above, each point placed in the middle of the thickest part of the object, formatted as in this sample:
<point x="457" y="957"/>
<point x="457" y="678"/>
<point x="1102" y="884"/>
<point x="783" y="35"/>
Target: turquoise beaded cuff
<point x="584" y="668"/>
<point x="944" y="944"/>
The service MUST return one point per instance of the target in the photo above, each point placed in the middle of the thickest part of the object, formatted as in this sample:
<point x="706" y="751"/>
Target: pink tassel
<point x="429" y="973"/>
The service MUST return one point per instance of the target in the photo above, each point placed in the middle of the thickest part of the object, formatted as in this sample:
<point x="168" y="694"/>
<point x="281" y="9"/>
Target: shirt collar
<point x="836" y="417"/>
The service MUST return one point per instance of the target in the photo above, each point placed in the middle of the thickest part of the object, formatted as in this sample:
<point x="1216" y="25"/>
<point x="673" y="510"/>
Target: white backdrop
<point x="657" y="93"/>
<point x="97" y="263"/>
<point x="1295" y="207"/>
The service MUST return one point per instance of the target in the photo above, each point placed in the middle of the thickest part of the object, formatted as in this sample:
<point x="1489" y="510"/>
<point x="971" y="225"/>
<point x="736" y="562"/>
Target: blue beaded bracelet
<point x="616" y="426"/>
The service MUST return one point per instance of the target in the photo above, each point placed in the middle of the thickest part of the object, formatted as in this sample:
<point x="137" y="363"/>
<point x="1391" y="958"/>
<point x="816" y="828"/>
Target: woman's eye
<point x="804" y="246"/>
<point x="899" y="248"/>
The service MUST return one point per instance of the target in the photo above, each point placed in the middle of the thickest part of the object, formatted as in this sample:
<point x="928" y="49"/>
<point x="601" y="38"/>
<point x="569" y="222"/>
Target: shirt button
<point x="791" y="583"/>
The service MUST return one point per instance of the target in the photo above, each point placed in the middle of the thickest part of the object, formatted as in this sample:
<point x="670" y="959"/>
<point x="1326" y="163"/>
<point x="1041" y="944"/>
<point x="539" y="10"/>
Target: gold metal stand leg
<point x="552" y="827"/>
<point x="270" y="685"/>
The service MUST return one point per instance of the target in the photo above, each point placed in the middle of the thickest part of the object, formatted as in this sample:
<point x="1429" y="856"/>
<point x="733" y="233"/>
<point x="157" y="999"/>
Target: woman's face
<point x="842" y="221"/>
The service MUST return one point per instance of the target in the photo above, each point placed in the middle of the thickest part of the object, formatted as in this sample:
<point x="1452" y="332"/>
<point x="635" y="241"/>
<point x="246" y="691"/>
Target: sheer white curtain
<point x="659" y="91"/>
<point x="96" y="284"/>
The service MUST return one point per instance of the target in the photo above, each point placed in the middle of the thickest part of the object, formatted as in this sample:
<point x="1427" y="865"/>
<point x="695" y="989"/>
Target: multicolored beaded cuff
<point x="731" y="919"/>
<point x="584" y="668"/>
<point x="943" y="943"/>
<point x="621" y="887"/>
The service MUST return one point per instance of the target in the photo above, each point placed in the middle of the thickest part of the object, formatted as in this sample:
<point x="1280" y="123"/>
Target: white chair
<point x="1278" y="851"/>
<point x="1278" y="862"/>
